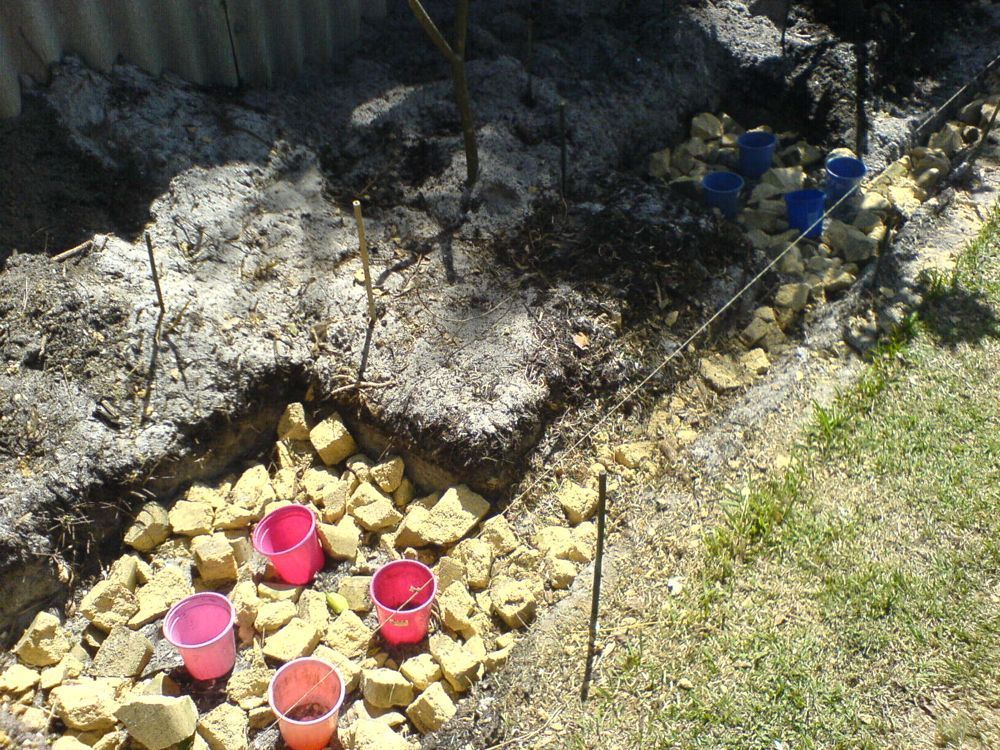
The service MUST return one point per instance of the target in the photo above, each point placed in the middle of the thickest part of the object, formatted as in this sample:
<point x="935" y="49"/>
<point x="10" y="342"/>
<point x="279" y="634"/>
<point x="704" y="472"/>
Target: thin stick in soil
<point x="562" y="148"/>
<point x="595" y="601"/>
<point x="363" y="244"/>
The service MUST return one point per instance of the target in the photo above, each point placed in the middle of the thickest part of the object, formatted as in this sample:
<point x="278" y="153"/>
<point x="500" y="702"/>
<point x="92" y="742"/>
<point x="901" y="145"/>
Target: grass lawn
<point x="854" y="600"/>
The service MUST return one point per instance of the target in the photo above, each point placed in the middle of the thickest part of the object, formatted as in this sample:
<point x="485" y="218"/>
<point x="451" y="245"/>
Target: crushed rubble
<point x="111" y="684"/>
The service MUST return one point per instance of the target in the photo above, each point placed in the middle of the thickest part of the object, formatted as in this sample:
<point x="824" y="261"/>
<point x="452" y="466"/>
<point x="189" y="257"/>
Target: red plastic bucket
<point x="306" y="696"/>
<point x="403" y="592"/>
<point x="287" y="537"/>
<point x="200" y="627"/>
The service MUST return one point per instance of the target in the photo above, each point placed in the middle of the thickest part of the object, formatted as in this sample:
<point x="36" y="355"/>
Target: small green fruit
<point x="338" y="603"/>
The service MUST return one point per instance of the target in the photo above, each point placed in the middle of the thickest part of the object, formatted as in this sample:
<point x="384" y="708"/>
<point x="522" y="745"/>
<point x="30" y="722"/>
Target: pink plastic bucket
<point x="287" y="537"/>
<point x="200" y="627"/>
<point x="312" y="689"/>
<point x="403" y="592"/>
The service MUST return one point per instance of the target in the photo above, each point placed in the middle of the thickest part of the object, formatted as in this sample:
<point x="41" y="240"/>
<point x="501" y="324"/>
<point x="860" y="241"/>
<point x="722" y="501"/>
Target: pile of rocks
<point x="814" y="269"/>
<point x="98" y="674"/>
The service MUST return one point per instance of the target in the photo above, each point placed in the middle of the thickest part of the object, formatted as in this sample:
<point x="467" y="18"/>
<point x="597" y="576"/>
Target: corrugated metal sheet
<point x="211" y="42"/>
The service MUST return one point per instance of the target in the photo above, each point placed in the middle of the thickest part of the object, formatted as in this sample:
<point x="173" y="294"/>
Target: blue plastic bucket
<point x="805" y="208"/>
<point x="756" y="152"/>
<point x="721" y="190"/>
<point x="842" y="174"/>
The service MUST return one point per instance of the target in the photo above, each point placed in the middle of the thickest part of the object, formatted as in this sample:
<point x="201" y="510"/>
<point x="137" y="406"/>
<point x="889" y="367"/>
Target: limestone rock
<point x="851" y="243"/>
<point x="380" y="515"/>
<point x="388" y="475"/>
<point x="792" y="296"/>
<point x="248" y="688"/>
<point x="108" y="604"/>
<point x="374" y="734"/>
<point x="497" y="533"/>
<point x="786" y="179"/>
<point x="791" y="262"/>
<point x="456" y="605"/>
<point x="403" y="495"/>
<point x="167" y="587"/>
<point x="68" y="668"/>
<point x="68" y="742"/>
<point x="150" y="528"/>
<point x="949" y="139"/>
<point x="929" y="179"/>
<point x="432" y="709"/>
<point x="293" y="425"/>
<point x="764" y="330"/>
<point x="332" y="440"/>
<point x="449" y="570"/>
<point x="158" y="721"/>
<point x="18" y="679"/>
<point x="277" y="592"/>
<point x="755" y="361"/>
<point x="706" y="126"/>
<point x="349" y="669"/>
<point x="355" y="590"/>
<point x="274" y="615"/>
<point x="124" y="653"/>
<point x="191" y="519"/>
<point x="385" y="688"/>
<point x="460" y="667"/>
<point x="312" y="608"/>
<point x="296" y="639"/>
<point x="44" y="642"/>
<point x="158" y="684"/>
<point x="659" y="164"/>
<point x="559" y="573"/>
<point x="246" y="603"/>
<point x="477" y="557"/>
<point x="206" y="494"/>
<point x="721" y="373"/>
<point x="225" y="727"/>
<point x="326" y="489"/>
<point x="341" y="540"/>
<point x="253" y="490"/>
<point x="451" y="518"/>
<point x="349" y="635"/>
<point x="214" y="557"/>
<point x="578" y="503"/>
<point x="875" y="203"/>
<point x="87" y="706"/>
<point x="232" y="516"/>
<point x="513" y="602"/>
<point x="421" y="670"/>
<point x="634" y="455"/>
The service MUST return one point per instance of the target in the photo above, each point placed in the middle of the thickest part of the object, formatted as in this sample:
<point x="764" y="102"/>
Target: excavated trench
<point x="498" y="312"/>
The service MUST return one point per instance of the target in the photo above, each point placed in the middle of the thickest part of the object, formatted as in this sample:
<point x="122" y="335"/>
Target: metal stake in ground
<point x="363" y="243"/>
<point x="562" y="148"/>
<point x="595" y="599"/>
<point x="784" y="25"/>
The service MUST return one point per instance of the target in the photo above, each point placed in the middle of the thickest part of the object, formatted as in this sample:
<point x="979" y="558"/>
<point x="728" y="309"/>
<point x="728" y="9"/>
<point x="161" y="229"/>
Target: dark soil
<point x="485" y="295"/>
<point x="54" y="196"/>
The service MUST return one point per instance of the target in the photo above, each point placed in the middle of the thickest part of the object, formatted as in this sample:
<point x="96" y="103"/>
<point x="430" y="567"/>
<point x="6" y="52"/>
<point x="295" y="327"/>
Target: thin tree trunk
<point x="456" y="57"/>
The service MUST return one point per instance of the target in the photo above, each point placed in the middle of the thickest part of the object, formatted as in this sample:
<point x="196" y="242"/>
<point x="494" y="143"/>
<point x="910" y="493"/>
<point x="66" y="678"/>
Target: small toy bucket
<point x="287" y="538"/>
<point x="756" y="153"/>
<point x="403" y="593"/>
<point x="805" y="209"/>
<point x="721" y="190"/>
<point x="306" y="696"/>
<point x="200" y="627"/>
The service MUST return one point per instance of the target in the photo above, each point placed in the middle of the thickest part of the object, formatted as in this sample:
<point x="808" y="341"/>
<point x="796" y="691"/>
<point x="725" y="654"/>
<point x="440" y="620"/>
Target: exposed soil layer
<point x="474" y="351"/>
<point x="53" y="195"/>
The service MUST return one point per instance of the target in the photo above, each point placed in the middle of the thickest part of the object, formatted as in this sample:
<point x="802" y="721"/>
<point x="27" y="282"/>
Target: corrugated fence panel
<point x="204" y="41"/>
